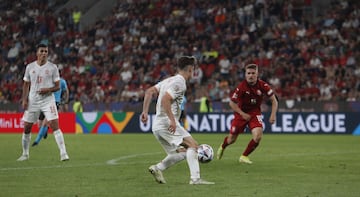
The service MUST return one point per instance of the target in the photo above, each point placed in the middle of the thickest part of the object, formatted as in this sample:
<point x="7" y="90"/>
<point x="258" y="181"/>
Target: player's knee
<point x="54" y="124"/>
<point x="190" y="143"/>
<point x="27" y="128"/>
<point x="257" y="138"/>
<point x="257" y="134"/>
<point x="193" y="144"/>
<point x="231" y="140"/>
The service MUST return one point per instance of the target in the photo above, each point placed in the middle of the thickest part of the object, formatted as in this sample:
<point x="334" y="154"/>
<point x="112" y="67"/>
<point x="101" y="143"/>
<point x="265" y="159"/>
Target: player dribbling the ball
<point x="166" y="126"/>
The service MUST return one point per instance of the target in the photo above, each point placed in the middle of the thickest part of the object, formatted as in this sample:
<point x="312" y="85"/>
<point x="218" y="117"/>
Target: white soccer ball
<point x="205" y="153"/>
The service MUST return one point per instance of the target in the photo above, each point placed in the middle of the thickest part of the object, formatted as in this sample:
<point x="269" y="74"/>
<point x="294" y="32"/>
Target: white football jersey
<point x="40" y="77"/>
<point x="176" y="87"/>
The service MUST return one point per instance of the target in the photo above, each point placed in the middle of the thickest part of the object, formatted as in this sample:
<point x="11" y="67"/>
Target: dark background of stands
<point x="308" y="50"/>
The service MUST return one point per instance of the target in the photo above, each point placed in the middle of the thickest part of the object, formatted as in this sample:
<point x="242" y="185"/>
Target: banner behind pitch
<point x="129" y="122"/>
<point x="291" y="123"/>
<point x="12" y="123"/>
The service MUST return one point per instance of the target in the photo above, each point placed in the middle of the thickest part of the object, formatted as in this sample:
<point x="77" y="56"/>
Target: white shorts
<point x="47" y="106"/>
<point x="171" y="142"/>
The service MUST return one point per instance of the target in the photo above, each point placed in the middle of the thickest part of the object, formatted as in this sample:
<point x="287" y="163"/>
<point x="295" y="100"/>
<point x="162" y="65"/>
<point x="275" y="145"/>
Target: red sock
<point x="225" y="143"/>
<point x="250" y="148"/>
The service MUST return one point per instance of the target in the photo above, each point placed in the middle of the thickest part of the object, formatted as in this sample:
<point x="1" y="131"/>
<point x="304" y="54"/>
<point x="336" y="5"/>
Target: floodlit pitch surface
<point x="116" y="165"/>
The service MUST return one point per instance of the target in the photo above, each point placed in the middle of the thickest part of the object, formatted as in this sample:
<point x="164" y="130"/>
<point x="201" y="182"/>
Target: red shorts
<point x="238" y="125"/>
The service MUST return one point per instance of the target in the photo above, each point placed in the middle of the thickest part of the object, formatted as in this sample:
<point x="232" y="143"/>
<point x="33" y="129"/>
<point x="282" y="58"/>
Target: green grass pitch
<point x="116" y="165"/>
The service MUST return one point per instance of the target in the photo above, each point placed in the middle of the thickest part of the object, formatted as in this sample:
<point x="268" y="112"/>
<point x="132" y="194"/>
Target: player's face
<point x="42" y="54"/>
<point x="190" y="71"/>
<point x="251" y="76"/>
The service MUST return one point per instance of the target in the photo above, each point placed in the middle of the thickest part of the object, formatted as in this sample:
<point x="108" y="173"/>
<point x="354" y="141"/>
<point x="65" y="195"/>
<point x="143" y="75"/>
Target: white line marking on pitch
<point x="116" y="161"/>
<point x="122" y="160"/>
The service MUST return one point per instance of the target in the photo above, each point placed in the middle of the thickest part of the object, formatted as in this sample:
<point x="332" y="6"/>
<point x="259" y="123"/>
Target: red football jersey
<point x="249" y="98"/>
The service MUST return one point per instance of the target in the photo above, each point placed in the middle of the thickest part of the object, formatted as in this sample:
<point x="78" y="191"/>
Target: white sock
<point x="59" y="138"/>
<point x="170" y="160"/>
<point x="193" y="163"/>
<point x="25" y="141"/>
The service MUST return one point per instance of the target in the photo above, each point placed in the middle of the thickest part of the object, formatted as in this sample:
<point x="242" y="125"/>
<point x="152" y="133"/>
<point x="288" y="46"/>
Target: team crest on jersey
<point x="253" y="101"/>
<point x="258" y="92"/>
<point x="47" y="72"/>
<point x="235" y="96"/>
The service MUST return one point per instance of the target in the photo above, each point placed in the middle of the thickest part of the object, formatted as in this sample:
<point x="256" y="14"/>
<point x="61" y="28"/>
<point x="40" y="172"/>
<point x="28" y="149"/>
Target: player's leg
<point x="193" y="162"/>
<point x="236" y="128"/>
<point x="46" y="125"/>
<point x="175" y="154"/>
<point x="256" y="128"/>
<point x="168" y="161"/>
<point x="183" y="138"/>
<point x="229" y="139"/>
<point x="254" y="142"/>
<point x="65" y="107"/>
<point x="45" y="129"/>
<point x="29" y="118"/>
<point x="191" y="157"/>
<point x="59" y="138"/>
<point x="52" y="116"/>
<point x="156" y="170"/>
<point x="42" y="131"/>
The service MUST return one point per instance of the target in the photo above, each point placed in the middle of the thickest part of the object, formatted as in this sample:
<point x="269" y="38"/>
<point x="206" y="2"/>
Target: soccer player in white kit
<point x="166" y="126"/>
<point x="41" y="79"/>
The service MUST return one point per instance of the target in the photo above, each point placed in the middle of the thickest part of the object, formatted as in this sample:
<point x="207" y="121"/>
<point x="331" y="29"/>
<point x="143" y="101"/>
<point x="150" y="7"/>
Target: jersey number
<point x="259" y="117"/>
<point x="39" y="79"/>
<point x="53" y="109"/>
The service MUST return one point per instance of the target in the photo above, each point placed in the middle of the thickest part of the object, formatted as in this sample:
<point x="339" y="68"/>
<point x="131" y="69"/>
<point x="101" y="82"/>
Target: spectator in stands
<point x="76" y="17"/>
<point x="98" y="96"/>
<point x="205" y="105"/>
<point x="225" y="66"/>
<point x="77" y="105"/>
<point x="131" y="36"/>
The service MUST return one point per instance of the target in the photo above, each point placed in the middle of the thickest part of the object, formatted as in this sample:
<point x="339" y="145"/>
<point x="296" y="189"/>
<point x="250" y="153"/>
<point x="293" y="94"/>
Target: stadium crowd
<point x="304" y="57"/>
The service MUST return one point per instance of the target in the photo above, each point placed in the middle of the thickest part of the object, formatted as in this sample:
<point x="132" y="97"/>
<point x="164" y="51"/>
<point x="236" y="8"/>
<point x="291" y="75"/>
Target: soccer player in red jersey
<point x="245" y="101"/>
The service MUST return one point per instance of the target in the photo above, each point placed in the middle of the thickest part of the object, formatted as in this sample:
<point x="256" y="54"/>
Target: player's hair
<point x="185" y="61"/>
<point x="251" y="66"/>
<point x="40" y="45"/>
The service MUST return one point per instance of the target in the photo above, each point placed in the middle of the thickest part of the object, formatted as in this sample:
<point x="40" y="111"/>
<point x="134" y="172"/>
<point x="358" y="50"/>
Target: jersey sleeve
<point x="235" y="95"/>
<point x="56" y="76"/>
<point x="27" y="74"/>
<point x="267" y="89"/>
<point x="158" y="85"/>
<point x="63" y="84"/>
<point x="176" y="89"/>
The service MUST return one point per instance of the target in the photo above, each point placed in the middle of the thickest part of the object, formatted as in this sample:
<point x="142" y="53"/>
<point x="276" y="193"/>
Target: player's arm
<point x="149" y="94"/>
<point x="25" y="94"/>
<point x="274" y="107"/>
<point x="55" y="88"/>
<point x="234" y="106"/>
<point x="166" y="104"/>
<point x="66" y="95"/>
